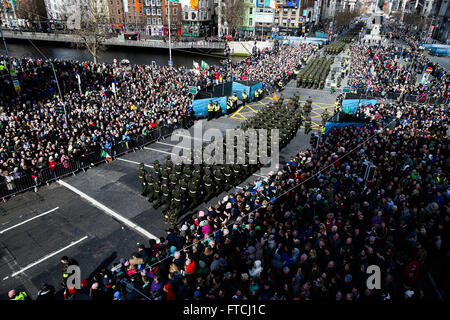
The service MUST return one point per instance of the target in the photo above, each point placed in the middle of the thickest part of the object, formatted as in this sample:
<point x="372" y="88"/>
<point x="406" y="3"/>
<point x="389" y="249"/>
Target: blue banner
<point x="239" y="88"/>
<point x="200" y="106"/>
<point x="331" y="125"/>
<point x="350" y="106"/>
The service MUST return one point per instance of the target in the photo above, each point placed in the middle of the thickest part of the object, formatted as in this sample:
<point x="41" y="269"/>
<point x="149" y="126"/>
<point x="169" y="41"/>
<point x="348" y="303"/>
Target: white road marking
<point x="135" y="162"/>
<point x="258" y="175"/>
<point x="46" y="257"/>
<point x="237" y="187"/>
<point x="23" y="222"/>
<point x="173" y="145"/>
<point x="182" y="135"/>
<point x="109" y="212"/>
<point x="147" y="148"/>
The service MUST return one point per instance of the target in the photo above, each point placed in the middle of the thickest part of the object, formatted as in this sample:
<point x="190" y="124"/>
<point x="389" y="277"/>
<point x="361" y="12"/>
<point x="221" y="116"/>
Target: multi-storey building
<point x="198" y="22"/>
<point x="263" y="19"/>
<point x="174" y="9"/>
<point x="287" y="18"/>
<point x="153" y="13"/>
<point x="248" y="23"/>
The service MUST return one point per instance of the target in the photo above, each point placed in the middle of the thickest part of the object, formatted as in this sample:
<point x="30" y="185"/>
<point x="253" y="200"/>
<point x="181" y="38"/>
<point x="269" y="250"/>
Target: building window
<point x="250" y="21"/>
<point x="153" y="2"/>
<point x="154" y="21"/>
<point x="118" y="11"/>
<point x="186" y="16"/>
<point x="205" y="15"/>
<point x="147" y="12"/>
<point x="158" y="12"/>
<point x="153" y="11"/>
<point x="250" y="11"/>
<point x="158" y="3"/>
<point x="193" y="16"/>
<point x="174" y="11"/>
<point x="159" y="21"/>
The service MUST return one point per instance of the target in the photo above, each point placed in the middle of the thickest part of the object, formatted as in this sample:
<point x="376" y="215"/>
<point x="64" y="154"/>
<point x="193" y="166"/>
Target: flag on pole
<point x="106" y="155"/>
<point x="138" y="6"/>
<point x="204" y="65"/>
<point x="195" y="63"/>
<point x="125" y="5"/>
<point x="272" y="3"/>
<point x="194" y="4"/>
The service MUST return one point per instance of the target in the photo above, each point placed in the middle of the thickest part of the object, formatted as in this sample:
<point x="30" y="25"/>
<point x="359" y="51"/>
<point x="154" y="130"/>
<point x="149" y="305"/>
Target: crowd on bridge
<point x="35" y="133"/>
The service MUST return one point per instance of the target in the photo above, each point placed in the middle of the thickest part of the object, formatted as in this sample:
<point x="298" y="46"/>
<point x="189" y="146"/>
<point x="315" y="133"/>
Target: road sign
<point x="346" y="89"/>
<point x="193" y="89"/>
<point x="429" y="70"/>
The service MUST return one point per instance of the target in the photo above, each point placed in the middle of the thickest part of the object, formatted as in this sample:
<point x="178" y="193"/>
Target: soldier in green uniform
<point x="177" y="201"/>
<point x="308" y="124"/>
<point x="228" y="173"/>
<point x="325" y="117"/>
<point x="173" y="179"/>
<point x="157" y="169"/>
<point x="209" y="188"/>
<point x="194" y="194"/>
<point x="150" y="186"/>
<point x="166" y="198"/>
<point x="308" y="105"/>
<point x="142" y="173"/>
<point x="157" y="199"/>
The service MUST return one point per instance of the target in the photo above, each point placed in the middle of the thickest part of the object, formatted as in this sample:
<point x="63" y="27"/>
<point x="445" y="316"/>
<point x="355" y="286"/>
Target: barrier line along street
<point x="47" y="257"/>
<point x="109" y="212"/>
<point x="23" y="222"/>
<point x="135" y="162"/>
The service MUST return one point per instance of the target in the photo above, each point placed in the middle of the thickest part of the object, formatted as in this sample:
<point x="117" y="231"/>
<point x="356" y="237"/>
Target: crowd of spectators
<point x="310" y="230"/>
<point x="35" y="134"/>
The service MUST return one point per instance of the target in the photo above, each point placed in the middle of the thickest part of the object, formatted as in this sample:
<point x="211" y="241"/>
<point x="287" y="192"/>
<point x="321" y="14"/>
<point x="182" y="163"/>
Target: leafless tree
<point x="94" y="28"/>
<point x="342" y="18"/>
<point x="31" y="10"/>
<point x="234" y="12"/>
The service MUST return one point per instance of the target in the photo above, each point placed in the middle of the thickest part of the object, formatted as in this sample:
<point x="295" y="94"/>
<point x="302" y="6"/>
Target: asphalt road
<point x="99" y="216"/>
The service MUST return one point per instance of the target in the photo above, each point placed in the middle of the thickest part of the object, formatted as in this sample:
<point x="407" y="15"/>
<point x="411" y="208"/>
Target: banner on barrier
<point x="200" y="106"/>
<point x="331" y="125"/>
<point x="350" y="106"/>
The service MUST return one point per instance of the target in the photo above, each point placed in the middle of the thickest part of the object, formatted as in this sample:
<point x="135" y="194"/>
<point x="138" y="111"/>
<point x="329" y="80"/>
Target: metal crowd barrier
<point x="94" y="157"/>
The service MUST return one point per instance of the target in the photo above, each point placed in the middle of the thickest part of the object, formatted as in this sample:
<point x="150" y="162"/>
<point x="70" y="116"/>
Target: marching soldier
<point x="209" y="188"/>
<point x="177" y="204"/>
<point x="157" y="169"/>
<point x="166" y="197"/>
<point x="150" y="186"/>
<point x="308" y="105"/>
<point x="325" y="117"/>
<point x="307" y="124"/>
<point x="157" y="196"/>
<point x="141" y="175"/>
<point x="228" y="173"/>
<point x="193" y="194"/>
<point x="173" y="180"/>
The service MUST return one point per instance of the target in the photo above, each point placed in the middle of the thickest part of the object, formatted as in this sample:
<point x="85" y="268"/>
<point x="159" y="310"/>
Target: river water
<point x="19" y="48"/>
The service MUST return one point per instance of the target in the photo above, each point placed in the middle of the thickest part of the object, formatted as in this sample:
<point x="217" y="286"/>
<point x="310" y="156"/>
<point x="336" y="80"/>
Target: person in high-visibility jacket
<point x="22" y="295"/>
<point x="256" y="95"/>
<point x="280" y="85"/>
<point x="210" y="110"/>
<point x="235" y="100"/>
<point x="244" y="97"/>
<point x="66" y="264"/>
<point x="217" y="110"/>
<point x="336" y="107"/>
<point x="229" y="104"/>
<point x="260" y="93"/>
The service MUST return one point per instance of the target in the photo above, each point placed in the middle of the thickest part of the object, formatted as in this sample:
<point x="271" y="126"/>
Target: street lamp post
<point x="170" y="44"/>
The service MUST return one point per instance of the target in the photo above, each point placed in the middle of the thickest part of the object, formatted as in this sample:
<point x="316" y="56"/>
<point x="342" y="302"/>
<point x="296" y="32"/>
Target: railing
<point x="395" y="96"/>
<point x="94" y="157"/>
<point x="201" y="44"/>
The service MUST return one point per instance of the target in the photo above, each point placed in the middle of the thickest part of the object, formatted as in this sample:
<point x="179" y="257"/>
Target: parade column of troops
<point x="182" y="187"/>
